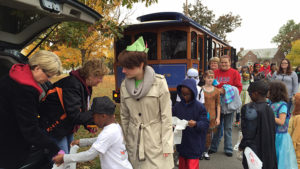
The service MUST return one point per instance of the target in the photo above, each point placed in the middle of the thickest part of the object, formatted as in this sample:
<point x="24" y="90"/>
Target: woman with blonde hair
<point x="76" y="92"/>
<point x="19" y="101"/>
<point x="214" y="63"/>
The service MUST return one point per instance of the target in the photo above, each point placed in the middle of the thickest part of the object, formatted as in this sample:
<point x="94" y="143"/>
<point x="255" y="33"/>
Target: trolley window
<point x="121" y="44"/>
<point x="150" y="38"/>
<point x="173" y="45"/>
<point x="194" y="45"/>
<point x="200" y="49"/>
<point x="214" y="49"/>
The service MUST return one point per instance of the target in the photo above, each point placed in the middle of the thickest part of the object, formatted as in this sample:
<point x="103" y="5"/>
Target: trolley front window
<point x="150" y="39"/>
<point x="121" y="44"/>
<point x="173" y="45"/>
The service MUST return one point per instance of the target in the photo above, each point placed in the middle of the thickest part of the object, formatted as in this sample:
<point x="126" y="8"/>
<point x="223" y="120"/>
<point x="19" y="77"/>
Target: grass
<point x="103" y="89"/>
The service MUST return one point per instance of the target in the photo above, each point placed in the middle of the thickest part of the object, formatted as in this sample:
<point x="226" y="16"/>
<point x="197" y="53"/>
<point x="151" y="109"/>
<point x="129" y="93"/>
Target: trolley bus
<point x="176" y="43"/>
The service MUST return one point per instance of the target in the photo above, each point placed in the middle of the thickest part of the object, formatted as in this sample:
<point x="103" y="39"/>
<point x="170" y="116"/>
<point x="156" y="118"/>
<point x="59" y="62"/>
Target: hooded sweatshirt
<point x="193" y="138"/>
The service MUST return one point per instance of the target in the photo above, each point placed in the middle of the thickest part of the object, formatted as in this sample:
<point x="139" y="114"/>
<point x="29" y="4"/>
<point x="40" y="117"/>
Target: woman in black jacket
<point x="76" y="91"/>
<point x="19" y="100"/>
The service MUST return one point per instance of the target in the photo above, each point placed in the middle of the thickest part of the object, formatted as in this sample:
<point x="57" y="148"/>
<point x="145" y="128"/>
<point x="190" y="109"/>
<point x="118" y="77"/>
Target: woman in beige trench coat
<point x="146" y="115"/>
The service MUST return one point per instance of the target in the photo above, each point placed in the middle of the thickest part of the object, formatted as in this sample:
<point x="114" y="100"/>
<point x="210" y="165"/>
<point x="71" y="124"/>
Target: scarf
<point x="145" y="85"/>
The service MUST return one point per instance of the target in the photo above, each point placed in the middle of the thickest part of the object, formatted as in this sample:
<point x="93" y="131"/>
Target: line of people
<point x="145" y="137"/>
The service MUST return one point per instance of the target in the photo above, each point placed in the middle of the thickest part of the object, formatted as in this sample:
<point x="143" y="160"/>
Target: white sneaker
<point x="206" y="156"/>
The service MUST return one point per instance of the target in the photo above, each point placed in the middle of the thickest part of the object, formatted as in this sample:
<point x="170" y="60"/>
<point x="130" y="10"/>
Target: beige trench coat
<point x="147" y="126"/>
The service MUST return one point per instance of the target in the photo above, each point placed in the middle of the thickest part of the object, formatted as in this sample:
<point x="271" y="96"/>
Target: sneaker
<point x="201" y="157"/>
<point x="206" y="156"/>
<point x="228" y="154"/>
<point x="211" y="152"/>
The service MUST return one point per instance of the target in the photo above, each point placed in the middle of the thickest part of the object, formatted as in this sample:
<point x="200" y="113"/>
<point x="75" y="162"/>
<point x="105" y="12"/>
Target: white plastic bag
<point x="253" y="161"/>
<point x="239" y="154"/>
<point x="179" y="126"/>
<point x="73" y="150"/>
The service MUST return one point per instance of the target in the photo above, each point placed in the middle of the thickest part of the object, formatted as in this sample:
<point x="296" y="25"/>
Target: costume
<point x="285" y="151"/>
<point x="19" y="128"/>
<point x="245" y="98"/>
<point x="193" y="139"/>
<point x="295" y="127"/>
<point x="146" y="120"/>
<point x="258" y="128"/>
<point x="109" y="145"/>
<point x="212" y="101"/>
<point x="76" y="96"/>
<point x="265" y="70"/>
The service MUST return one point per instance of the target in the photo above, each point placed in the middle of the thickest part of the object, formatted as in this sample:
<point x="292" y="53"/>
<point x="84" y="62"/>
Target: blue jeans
<point x="226" y="119"/>
<point x="289" y="105"/>
<point x="64" y="143"/>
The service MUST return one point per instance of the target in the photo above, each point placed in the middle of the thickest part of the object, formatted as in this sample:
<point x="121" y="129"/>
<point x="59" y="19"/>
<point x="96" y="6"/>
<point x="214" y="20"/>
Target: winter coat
<point x="19" y="128"/>
<point x="76" y="96"/>
<point x="147" y="126"/>
<point x="193" y="139"/>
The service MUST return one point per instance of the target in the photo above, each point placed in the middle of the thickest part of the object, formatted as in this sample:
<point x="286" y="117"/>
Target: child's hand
<point x="192" y="123"/>
<point x="75" y="142"/>
<point x="58" y="159"/>
<point x="221" y="90"/>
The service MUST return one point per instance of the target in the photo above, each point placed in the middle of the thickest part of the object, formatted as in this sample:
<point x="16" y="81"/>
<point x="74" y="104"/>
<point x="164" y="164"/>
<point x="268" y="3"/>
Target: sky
<point x="261" y="19"/>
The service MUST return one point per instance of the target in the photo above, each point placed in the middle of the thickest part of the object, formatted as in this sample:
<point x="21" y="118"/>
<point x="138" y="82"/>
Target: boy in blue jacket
<point x="193" y="137"/>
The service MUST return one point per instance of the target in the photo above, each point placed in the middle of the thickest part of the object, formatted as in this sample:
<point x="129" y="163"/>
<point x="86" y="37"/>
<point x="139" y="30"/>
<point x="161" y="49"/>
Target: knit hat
<point x="103" y="105"/>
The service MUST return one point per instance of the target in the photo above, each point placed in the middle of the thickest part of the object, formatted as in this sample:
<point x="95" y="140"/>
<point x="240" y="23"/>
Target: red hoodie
<point x="22" y="74"/>
<point x="230" y="76"/>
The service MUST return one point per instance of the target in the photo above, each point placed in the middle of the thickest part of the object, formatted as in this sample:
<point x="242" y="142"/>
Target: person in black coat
<point x="258" y="126"/>
<point x="76" y="91"/>
<point x="19" y="100"/>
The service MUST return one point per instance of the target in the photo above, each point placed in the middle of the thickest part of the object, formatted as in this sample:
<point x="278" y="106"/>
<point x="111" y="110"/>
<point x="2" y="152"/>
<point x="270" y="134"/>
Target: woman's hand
<point x="192" y="123"/>
<point x="75" y="142"/>
<point x="58" y="159"/>
<point x="166" y="154"/>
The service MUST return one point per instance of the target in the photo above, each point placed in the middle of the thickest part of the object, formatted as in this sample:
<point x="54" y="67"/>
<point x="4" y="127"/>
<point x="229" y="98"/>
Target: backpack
<point x="52" y="113"/>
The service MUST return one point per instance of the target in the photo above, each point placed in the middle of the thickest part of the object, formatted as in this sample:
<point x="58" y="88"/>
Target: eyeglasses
<point x="44" y="71"/>
<point x="284" y="63"/>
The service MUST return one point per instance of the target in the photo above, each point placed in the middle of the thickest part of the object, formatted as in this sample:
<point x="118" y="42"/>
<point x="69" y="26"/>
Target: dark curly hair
<point x="261" y="87"/>
<point x="278" y="92"/>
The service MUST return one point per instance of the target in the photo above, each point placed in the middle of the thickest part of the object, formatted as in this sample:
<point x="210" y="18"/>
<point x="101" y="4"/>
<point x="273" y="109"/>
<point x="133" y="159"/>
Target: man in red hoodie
<point x="230" y="76"/>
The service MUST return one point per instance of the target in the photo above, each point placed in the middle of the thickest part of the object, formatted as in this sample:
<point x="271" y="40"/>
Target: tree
<point x="222" y="26"/>
<point x="288" y="33"/>
<point x="294" y="55"/>
<point x="92" y="40"/>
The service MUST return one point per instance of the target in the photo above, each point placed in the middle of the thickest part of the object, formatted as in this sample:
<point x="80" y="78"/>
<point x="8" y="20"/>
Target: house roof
<point x="267" y="53"/>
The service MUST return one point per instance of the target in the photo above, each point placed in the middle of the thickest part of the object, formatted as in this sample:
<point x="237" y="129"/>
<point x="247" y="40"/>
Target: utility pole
<point x="186" y="7"/>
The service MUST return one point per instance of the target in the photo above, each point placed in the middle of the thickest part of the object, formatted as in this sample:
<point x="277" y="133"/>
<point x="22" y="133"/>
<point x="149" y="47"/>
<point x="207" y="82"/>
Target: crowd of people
<point x="264" y="98"/>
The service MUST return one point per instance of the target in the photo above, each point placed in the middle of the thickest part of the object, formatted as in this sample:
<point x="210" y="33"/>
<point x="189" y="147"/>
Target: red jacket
<point x="230" y="76"/>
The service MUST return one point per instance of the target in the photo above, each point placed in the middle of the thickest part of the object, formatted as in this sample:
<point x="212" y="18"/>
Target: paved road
<point x="219" y="160"/>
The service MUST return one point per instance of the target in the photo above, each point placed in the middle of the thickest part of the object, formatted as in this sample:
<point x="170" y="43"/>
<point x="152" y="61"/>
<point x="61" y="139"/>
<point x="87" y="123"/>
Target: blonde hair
<point x="214" y="59"/>
<point x="93" y="67"/>
<point x="47" y="61"/>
